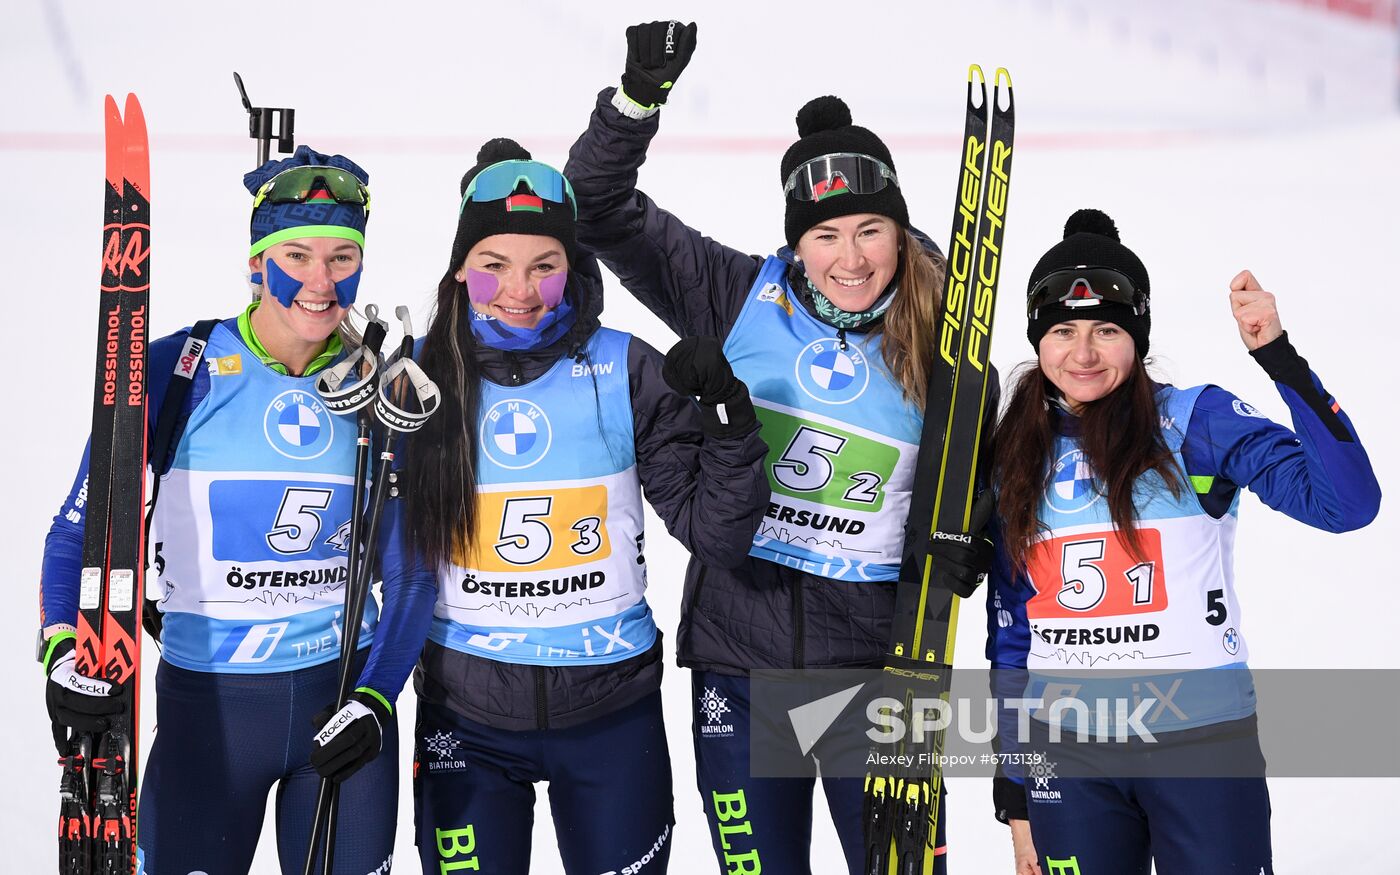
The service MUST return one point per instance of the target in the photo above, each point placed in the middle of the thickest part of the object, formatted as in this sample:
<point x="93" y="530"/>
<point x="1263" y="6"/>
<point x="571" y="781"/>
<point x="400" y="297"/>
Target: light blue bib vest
<point x="253" y="522"/>
<point x="556" y="575"/>
<point x="842" y="440"/>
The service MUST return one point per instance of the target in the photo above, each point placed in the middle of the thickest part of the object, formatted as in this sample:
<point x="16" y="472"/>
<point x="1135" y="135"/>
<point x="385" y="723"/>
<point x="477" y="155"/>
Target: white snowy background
<point x="1220" y="136"/>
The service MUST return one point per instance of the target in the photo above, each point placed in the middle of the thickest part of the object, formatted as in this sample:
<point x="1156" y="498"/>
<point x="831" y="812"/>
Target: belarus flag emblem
<point x="524" y="203"/>
<point x="830" y="188"/>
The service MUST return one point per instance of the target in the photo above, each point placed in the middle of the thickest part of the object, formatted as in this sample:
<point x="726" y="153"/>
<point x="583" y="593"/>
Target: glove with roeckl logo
<point x="351" y="737"/>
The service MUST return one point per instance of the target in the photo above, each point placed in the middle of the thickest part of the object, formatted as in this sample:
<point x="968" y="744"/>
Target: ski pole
<point x="362" y="369"/>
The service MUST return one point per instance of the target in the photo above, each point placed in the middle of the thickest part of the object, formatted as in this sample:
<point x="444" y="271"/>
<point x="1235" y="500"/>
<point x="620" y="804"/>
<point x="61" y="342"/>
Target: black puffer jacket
<point x="710" y="492"/>
<point x="760" y="614"/>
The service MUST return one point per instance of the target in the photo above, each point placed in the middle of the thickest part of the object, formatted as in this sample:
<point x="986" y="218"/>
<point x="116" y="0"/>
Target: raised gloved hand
<point x="76" y="700"/>
<point x="657" y="52"/>
<point x="351" y="737"/>
<point x="696" y="366"/>
<point x="962" y="560"/>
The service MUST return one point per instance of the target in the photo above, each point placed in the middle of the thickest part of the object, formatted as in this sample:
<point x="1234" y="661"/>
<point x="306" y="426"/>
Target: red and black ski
<point x="97" y="829"/>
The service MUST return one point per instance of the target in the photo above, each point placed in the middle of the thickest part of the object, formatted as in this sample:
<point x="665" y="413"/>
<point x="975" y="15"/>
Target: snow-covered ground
<point x="1219" y="136"/>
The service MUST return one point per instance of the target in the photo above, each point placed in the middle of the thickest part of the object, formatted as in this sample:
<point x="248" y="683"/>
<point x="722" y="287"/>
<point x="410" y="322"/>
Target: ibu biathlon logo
<point x="297" y="425"/>
<point x="1072" y="484"/>
<point x="515" y="433"/>
<point x="831" y="374"/>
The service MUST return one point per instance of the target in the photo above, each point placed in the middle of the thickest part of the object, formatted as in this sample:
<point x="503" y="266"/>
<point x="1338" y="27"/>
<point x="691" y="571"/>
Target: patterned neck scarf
<point x="498" y="335"/>
<point x="839" y="318"/>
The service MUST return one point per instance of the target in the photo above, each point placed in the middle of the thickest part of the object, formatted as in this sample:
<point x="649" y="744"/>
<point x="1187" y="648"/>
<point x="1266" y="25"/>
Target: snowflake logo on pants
<point x="1042" y="771"/>
<point x="713" y="705"/>
<point x="441" y="744"/>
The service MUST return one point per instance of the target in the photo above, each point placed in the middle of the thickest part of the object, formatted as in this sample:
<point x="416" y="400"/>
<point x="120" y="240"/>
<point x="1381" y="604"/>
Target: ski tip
<point x="975" y="74"/>
<point x="1003" y="73"/>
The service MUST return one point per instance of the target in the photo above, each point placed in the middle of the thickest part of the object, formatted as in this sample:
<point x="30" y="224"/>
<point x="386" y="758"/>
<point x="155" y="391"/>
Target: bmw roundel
<point x="298" y="425"/>
<point x="1072" y="484"/>
<point x="515" y="433"/>
<point x="830" y="374"/>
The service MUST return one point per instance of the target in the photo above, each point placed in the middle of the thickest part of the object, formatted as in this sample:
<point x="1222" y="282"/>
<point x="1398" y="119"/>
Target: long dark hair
<point x="441" y="475"/>
<point x="1120" y="435"/>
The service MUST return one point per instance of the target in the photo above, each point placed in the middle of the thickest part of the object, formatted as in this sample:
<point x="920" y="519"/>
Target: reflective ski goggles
<point x="499" y="181"/>
<point x="1085" y="287"/>
<point x="838" y="173"/>
<point x="311" y="184"/>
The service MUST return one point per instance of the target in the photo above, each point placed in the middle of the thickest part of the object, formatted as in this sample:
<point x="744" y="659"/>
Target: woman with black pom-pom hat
<point x="1117" y="504"/>
<point x="520" y="540"/>
<point x="834" y="335"/>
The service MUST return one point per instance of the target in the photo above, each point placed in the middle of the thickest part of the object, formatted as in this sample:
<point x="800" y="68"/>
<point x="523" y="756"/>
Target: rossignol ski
<point x="902" y="810"/>
<point x="97" y="819"/>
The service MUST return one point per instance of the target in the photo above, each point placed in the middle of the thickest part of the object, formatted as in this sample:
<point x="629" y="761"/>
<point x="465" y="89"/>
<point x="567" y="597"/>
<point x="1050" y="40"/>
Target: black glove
<point x="1009" y="799"/>
<point x="656" y="54"/>
<point x="349" y="738"/>
<point x="75" y="700"/>
<point x="961" y="560"/>
<point x="696" y="366"/>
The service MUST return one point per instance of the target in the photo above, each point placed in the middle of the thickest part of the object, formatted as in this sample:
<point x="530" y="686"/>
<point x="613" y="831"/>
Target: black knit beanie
<point x="1091" y="240"/>
<point x="482" y="219"/>
<point x="824" y="126"/>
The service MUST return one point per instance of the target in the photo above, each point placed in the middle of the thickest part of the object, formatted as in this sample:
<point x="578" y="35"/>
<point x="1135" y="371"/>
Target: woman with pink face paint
<point x="519" y="546"/>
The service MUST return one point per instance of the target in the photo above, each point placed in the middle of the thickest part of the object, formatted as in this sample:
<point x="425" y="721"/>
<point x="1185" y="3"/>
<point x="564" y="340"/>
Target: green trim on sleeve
<point x="53" y="643"/>
<point x="375" y="693"/>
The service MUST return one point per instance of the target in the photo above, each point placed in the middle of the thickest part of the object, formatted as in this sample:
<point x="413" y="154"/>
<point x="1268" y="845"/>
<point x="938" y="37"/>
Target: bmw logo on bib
<point x="297" y="425"/>
<point x="515" y="433"/>
<point x="1072" y="487"/>
<point x="831" y="374"/>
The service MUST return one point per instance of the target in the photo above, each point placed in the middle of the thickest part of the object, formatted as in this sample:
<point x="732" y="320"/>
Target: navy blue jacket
<point x="760" y="614"/>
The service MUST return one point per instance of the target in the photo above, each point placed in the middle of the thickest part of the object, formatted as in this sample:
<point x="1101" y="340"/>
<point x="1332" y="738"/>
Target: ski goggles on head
<point x="499" y="181"/>
<point x="838" y="173"/>
<point x="313" y="184"/>
<point x="1075" y="288"/>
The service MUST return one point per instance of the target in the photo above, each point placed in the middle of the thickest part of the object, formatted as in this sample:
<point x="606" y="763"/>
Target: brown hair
<point x="909" y="329"/>
<point x="1120" y="435"/>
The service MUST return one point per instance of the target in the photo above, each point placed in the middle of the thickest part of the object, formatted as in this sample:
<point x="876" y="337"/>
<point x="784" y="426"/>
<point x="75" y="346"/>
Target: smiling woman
<point x="257" y="486"/>
<point x="1118" y="498"/>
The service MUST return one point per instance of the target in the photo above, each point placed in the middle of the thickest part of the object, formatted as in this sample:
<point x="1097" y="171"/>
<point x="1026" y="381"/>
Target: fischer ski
<point x="902" y="810"/>
<point x="97" y="826"/>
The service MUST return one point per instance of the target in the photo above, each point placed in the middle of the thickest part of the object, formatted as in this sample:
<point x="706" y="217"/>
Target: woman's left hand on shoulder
<point x="1255" y="311"/>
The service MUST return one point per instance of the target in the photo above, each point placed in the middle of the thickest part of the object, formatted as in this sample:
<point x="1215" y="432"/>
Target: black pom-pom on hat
<point x="1091" y="240"/>
<point x="825" y="127"/>
<point x="1091" y="222"/>
<point x="822" y="114"/>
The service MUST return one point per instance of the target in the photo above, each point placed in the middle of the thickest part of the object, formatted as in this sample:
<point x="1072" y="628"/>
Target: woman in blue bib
<point x="519" y="554"/>
<point x="248" y="545"/>
<point x="834" y="335"/>
<point x="1117" y="500"/>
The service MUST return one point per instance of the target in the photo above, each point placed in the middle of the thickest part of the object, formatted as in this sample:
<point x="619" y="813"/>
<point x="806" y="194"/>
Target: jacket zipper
<point x="797" y="621"/>
<point x="541" y="700"/>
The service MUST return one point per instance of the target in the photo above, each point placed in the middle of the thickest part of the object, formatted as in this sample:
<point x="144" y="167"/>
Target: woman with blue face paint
<point x="247" y="543"/>
<point x="520" y="540"/>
